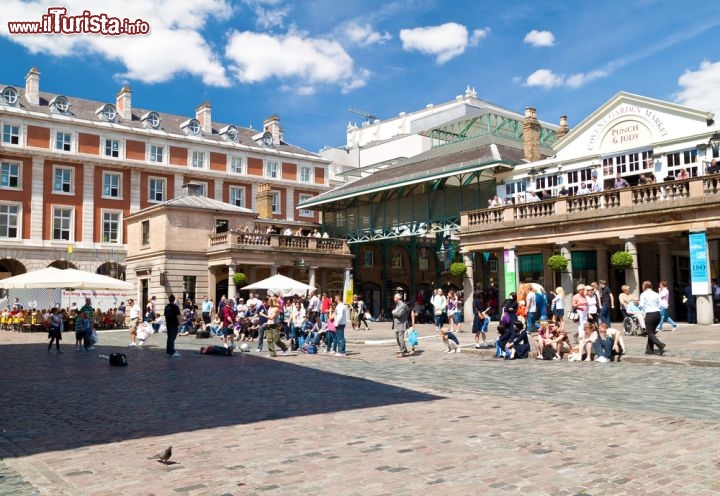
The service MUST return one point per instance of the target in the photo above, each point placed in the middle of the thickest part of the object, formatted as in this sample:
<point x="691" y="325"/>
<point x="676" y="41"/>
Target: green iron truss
<point x="484" y="125"/>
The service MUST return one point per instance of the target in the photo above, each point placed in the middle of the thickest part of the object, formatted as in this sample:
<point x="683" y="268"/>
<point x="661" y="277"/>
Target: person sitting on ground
<point x="519" y="345"/>
<point x="608" y="344"/>
<point x="544" y="337"/>
<point x="634" y="310"/>
<point x="504" y="335"/>
<point x="560" y="341"/>
<point x="215" y="327"/>
<point x="587" y="341"/>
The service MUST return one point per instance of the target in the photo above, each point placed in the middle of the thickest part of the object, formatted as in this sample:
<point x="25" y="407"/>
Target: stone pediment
<point x="628" y="122"/>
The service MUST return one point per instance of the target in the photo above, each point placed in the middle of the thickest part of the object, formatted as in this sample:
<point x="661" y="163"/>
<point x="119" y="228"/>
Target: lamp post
<point x="714" y="142"/>
<point x="302" y="265"/>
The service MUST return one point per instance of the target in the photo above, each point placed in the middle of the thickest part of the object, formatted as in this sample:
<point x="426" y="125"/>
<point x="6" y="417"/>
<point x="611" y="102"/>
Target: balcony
<point x="277" y="243"/>
<point x="654" y="209"/>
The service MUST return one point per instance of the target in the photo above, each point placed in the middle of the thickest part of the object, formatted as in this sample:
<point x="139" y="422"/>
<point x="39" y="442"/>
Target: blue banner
<point x="699" y="270"/>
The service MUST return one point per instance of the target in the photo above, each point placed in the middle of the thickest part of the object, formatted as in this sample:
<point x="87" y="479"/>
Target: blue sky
<point x="310" y="60"/>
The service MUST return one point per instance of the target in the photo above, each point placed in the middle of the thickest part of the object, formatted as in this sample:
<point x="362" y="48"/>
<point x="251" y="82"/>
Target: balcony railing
<point x="261" y="241"/>
<point x="671" y="194"/>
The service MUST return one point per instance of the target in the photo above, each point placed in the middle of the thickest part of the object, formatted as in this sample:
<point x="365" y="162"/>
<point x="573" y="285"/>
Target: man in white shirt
<point x="134" y="319"/>
<point x="340" y="323"/>
<point x="206" y="310"/>
<point x="313" y="309"/>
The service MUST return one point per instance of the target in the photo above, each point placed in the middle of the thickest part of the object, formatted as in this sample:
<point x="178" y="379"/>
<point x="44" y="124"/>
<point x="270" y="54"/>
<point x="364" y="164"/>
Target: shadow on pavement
<point x="64" y="401"/>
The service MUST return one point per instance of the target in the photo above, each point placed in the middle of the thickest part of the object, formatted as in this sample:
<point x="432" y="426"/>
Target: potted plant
<point x="621" y="260"/>
<point x="557" y="262"/>
<point x="239" y="279"/>
<point x="458" y="269"/>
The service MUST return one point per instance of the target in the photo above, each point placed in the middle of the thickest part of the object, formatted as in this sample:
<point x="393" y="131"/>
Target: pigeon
<point x="165" y="455"/>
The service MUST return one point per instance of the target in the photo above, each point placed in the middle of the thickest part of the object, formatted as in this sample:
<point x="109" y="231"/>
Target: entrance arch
<point x="63" y="264"/>
<point x="10" y="267"/>
<point x="112" y="269"/>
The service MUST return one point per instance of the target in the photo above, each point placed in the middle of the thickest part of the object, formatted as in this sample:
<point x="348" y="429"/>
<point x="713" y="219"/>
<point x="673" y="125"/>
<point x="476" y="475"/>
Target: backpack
<point x="117" y="360"/>
<point x="548" y="353"/>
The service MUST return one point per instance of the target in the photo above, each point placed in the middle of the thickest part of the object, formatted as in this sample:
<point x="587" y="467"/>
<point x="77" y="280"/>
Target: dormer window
<point x="108" y="112"/>
<point x="230" y="133"/>
<point x="192" y="127"/>
<point x="151" y="119"/>
<point x="10" y="95"/>
<point x="60" y="104"/>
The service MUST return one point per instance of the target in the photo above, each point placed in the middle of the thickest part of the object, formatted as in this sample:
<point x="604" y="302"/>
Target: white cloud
<point x="174" y="45"/>
<point x="363" y="34"/>
<point x="540" y="38"/>
<point x="545" y="78"/>
<point x="257" y="57"/>
<point x="445" y="41"/>
<point x="699" y="88"/>
<point x="269" y="13"/>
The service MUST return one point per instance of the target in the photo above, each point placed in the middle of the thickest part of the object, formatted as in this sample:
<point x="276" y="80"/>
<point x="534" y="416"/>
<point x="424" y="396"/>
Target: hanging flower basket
<point x="621" y="260"/>
<point x="557" y="262"/>
<point x="239" y="278"/>
<point x="458" y="269"/>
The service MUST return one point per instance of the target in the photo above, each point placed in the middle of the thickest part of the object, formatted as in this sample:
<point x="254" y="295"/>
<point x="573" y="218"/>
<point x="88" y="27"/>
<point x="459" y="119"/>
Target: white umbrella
<point x="281" y="284"/>
<point x="51" y="277"/>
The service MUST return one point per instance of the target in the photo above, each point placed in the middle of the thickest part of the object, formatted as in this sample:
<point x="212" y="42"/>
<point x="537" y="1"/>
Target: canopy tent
<point x="280" y="284"/>
<point x="51" y="277"/>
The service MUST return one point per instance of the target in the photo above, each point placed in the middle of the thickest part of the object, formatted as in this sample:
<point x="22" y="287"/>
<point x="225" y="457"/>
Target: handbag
<point x="412" y="337"/>
<point x="573" y="315"/>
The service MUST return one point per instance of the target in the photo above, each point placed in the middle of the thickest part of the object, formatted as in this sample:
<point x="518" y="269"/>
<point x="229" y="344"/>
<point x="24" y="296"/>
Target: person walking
<point x="665" y="306"/>
<point x="362" y="317"/>
<point x="341" y="316"/>
<point x="650" y="303"/>
<point x="439" y="304"/>
<point x="88" y="342"/>
<point x="55" y="331"/>
<point x="400" y="316"/>
<point x="580" y="305"/>
<point x="134" y="320"/>
<point x="172" y="322"/>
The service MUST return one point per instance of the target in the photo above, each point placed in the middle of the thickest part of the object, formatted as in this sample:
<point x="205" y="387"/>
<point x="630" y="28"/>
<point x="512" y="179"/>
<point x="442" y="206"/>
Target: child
<point x="451" y="341"/>
<point x="330" y="341"/>
<point x="484" y="318"/>
<point x="83" y="333"/>
<point x="55" y="332"/>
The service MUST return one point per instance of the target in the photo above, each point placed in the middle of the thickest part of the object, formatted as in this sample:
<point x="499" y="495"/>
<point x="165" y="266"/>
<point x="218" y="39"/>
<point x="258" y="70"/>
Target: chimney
<point x="32" y="86"/>
<point x="123" y="102"/>
<point x="203" y="113"/>
<point x="263" y="201"/>
<point x="563" y="129"/>
<point x="272" y="125"/>
<point x="531" y="135"/>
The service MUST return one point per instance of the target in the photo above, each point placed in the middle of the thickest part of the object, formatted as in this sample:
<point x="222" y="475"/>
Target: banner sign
<point x="510" y="276"/>
<point x="699" y="266"/>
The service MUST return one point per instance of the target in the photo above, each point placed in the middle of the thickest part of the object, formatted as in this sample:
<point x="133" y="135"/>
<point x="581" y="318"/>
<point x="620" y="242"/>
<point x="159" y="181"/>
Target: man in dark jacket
<point x="400" y="315"/>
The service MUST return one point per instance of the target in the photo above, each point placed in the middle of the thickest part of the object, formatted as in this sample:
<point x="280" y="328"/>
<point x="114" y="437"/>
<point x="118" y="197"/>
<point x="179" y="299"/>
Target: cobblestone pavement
<point x="367" y="424"/>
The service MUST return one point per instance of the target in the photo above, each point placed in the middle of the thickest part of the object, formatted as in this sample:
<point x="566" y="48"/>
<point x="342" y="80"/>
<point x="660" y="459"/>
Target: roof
<point x="197" y="202"/>
<point x="169" y="123"/>
<point x="464" y="156"/>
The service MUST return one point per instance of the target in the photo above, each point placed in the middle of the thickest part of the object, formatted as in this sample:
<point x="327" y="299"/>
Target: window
<point x="63" y="141"/>
<point x="62" y="222"/>
<point x="111" y="227"/>
<point x="236" y="164"/>
<point x="514" y="187"/>
<point x="305" y="175"/>
<point x="111" y="185"/>
<point x="237" y="196"/>
<point x="156" y="153"/>
<point x="197" y="160"/>
<point x="63" y="180"/>
<point x="9" y="175"/>
<point x="151" y="119"/>
<point x="396" y="260"/>
<point x="191" y="127"/>
<point x="303" y="212"/>
<point x="275" y="202"/>
<point x="145" y="227"/>
<point x="546" y="182"/>
<point x="61" y="104"/>
<point x="10" y="95"/>
<point x="271" y="169"/>
<point x="9" y="221"/>
<point x="578" y="176"/>
<point x="368" y="258"/>
<point x="156" y="190"/>
<point x="109" y="112"/>
<point x="11" y="134"/>
<point x="112" y="148"/>
<point x="197" y="189"/>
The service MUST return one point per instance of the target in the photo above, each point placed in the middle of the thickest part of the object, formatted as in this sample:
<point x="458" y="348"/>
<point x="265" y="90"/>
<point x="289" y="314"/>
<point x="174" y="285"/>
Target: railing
<point x="261" y="240"/>
<point x="702" y="187"/>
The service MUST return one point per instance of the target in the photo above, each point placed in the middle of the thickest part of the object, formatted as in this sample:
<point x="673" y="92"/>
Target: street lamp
<point x="302" y="265"/>
<point x="714" y="142"/>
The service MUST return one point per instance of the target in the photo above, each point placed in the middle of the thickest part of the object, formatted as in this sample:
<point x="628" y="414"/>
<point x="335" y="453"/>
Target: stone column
<point x="311" y="274"/>
<point x="566" y="276"/>
<point x="36" y="202"/>
<point x="602" y="263"/>
<point x="273" y="269"/>
<point x="666" y="271"/>
<point x="212" y="282"/>
<point x="632" y="275"/>
<point x="232" y="289"/>
<point x="468" y="287"/>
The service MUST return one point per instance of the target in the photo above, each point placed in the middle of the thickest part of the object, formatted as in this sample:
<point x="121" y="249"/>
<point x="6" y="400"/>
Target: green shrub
<point x="458" y="269"/>
<point x="557" y="262"/>
<point x="239" y="278"/>
<point x="621" y="260"/>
